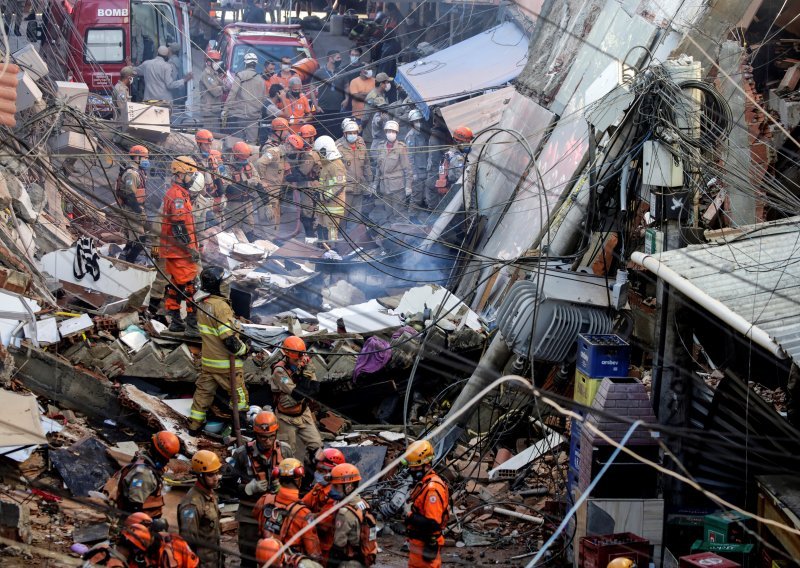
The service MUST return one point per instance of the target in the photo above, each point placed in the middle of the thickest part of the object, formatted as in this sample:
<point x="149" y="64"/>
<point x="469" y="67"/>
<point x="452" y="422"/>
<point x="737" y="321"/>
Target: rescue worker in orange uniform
<point x="429" y="502"/>
<point x="308" y="133"/>
<point x="272" y="168"/>
<point x="453" y="164"/>
<point x="129" y="551"/>
<point x="198" y="512"/>
<point x="253" y="467"/>
<point x="283" y="514"/>
<point x="130" y="195"/>
<point x="318" y="499"/>
<point x="179" y="246"/>
<point x="354" y="532"/>
<point x="221" y="348"/>
<point x="167" y="550"/>
<point x="301" y="110"/>
<point x="140" y="483"/>
<point x="241" y="193"/>
<point x="293" y="380"/>
<point x="268" y="548"/>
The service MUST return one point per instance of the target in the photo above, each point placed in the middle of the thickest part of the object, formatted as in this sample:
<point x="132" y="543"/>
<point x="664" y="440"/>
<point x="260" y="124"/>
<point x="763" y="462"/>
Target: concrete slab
<point x="368" y="317"/>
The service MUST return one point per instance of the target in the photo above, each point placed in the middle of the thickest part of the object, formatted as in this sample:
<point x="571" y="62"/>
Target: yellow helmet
<point x="290" y="467"/>
<point x="419" y="453"/>
<point x="183" y="165"/>
<point x="622" y="562"/>
<point x="205" y="461"/>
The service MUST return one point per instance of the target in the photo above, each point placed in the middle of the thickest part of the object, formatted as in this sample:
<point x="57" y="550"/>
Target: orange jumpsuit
<point x="181" y="268"/>
<point x="295" y="517"/>
<point x="318" y="501"/>
<point x="430" y="501"/>
<point x="174" y="552"/>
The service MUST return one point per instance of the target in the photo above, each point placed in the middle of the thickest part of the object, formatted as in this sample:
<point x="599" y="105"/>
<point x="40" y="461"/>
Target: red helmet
<point x="138" y="535"/>
<point x="463" y="134"/>
<point x="204" y="137"/>
<point x="280" y="124"/>
<point x="265" y="422"/>
<point x="295" y="142"/>
<point x="241" y="150"/>
<point x="308" y="131"/>
<point x="138" y="518"/>
<point x="294" y="347"/>
<point x="167" y="444"/>
<point x="266" y="549"/>
<point x="214" y="55"/>
<point x="329" y="458"/>
<point x="138" y="150"/>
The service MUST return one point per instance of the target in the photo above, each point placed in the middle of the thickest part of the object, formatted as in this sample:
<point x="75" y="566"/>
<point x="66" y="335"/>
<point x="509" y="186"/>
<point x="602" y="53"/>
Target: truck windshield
<point x="265" y="53"/>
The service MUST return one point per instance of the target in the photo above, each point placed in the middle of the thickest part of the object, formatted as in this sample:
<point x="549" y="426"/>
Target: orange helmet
<point x="204" y="137"/>
<point x="241" y="150"/>
<point x="280" y="124"/>
<point x="138" y="535"/>
<point x="329" y="458"/>
<point x="265" y="422"/>
<point x="345" y="473"/>
<point x="294" y="347"/>
<point x="266" y="549"/>
<point x="139" y="518"/>
<point x="308" y="131"/>
<point x="463" y="134"/>
<point x="214" y="55"/>
<point x="295" y="142"/>
<point x="167" y="444"/>
<point x="138" y="150"/>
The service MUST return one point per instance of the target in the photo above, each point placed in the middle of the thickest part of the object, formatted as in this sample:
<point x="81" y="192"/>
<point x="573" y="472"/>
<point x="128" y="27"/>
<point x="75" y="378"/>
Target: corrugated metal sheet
<point x="755" y="274"/>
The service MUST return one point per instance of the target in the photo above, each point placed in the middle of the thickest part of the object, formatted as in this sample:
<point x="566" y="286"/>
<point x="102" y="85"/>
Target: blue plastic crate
<point x="601" y="356"/>
<point x="574" y="464"/>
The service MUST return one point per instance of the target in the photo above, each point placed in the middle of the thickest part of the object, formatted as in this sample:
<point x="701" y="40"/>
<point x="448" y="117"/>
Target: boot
<point x="176" y="324"/>
<point x="191" y="325"/>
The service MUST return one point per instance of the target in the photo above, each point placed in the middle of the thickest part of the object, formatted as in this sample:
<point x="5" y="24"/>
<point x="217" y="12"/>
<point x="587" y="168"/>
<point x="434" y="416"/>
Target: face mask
<point x="144" y="164"/>
<point x="354" y="59"/>
<point x="368" y="74"/>
<point x="466" y="149"/>
<point x="417" y="474"/>
<point x="268" y="74"/>
<point x="285" y="67"/>
<point x="351" y="137"/>
<point x="222" y="170"/>
<point x="205" y="154"/>
<point x="337" y="63"/>
<point x="388" y="87"/>
<point x="335" y="494"/>
<point x="320" y="478"/>
<point x="391" y="136"/>
<point x="417" y="125"/>
<point x="294" y="94"/>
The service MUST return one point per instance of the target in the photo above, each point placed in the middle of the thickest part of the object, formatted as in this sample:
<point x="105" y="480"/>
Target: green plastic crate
<point x="744" y="554"/>
<point x="727" y="527"/>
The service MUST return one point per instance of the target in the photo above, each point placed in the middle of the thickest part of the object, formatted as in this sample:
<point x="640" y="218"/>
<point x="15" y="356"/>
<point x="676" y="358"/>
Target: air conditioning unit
<point x="147" y="121"/>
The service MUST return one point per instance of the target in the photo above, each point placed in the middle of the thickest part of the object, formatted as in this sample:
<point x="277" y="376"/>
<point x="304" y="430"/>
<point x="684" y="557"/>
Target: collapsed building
<point x="627" y="241"/>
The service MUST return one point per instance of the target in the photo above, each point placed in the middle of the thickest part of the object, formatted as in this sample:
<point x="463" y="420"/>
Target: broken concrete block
<point x="14" y="281"/>
<point x="790" y="79"/>
<point x="15" y="523"/>
<point x="180" y="363"/>
<point x="36" y="196"/>
<point x="91" y="534"/>
<point x="125" y="319"/>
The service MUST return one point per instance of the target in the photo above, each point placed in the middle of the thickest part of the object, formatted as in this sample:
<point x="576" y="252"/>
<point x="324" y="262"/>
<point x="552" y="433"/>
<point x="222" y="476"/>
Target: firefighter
<point x="304" y="166"/>
<point x="130" y="195"/>
<point x="221" y="347"/>
<point x="292" y="382"/>
<point x="239" y="193"/>
<point x="429" y="511"/>
<point x="212" y="88"/>
<point x="453" y="164"/>
<point x="354" y="532"/>
<point x="245" y="100"/>
<point x="198" y="512"/>
<point x="318" y="499"/>
<point x="308" y="133"/>
<point x="212" y="186"/>
<point x="283" y="514"/>
<point x="129" y="550"/>
<point x="332" y="181"/>
<point x="272" y="167"/>
<point x="417" y="143"/>
<point x="139" y="484"/>
<point x="393" y="178"/>
<point x="167" y="550"/>
<point x="179" y="246"/>
<point x="359" y="173"/>
<point x="267" y="548"/>
<point x="253" y="466"/>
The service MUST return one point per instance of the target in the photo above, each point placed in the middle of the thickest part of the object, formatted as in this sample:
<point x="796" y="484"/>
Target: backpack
<point x="368" y="538"/>
<point x="271" y="517"/>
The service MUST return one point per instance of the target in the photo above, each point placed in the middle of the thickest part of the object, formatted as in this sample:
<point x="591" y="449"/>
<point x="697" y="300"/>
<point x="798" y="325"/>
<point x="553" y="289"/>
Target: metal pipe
<point x="444" y="219"/>
<point x="517" y="515"/>
<point x="717" y="308"/>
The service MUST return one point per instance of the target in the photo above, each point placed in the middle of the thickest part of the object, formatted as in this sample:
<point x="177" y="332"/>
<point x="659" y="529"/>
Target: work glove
<point x="256" y="486"/>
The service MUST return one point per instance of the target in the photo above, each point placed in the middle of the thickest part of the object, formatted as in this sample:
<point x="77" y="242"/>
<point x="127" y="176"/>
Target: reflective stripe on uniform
<point x="215" y="331"/>
<point x="197" y="415"/>
<point x="221" y="363"/>
<point x="242" y="399"/>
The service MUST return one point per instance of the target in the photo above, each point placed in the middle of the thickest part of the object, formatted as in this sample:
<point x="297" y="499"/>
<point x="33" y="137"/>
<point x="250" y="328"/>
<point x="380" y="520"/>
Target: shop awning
<point x="487" y="60"/>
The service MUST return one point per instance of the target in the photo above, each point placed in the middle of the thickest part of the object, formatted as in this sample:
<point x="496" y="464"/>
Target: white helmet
<point x="250" y="58"/>
<point x="326" y="148"/>
<point x="349" y="125"/>
<point x="198" y="183"/>
<point x="414" y="115"/>
<point x="391" y="125"/>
